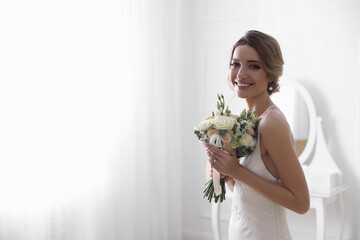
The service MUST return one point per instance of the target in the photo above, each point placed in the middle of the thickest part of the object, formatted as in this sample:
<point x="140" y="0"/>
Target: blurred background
<point x="98" y="100"/>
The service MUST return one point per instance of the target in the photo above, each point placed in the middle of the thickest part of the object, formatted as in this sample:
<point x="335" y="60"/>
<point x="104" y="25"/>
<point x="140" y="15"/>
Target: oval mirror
<point x="297" y="105"/>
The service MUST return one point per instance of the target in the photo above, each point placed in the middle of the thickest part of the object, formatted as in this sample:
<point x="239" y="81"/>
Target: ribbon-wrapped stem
<point x="216" y="186"/>
<point x="210" y="194"/>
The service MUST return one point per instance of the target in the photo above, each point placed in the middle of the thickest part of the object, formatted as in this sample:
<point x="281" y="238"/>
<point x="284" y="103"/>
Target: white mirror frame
<point x="305" y="155"/>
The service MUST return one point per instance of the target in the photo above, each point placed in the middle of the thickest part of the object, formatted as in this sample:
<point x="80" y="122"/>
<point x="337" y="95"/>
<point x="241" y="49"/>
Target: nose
<point x="241" y="73"/>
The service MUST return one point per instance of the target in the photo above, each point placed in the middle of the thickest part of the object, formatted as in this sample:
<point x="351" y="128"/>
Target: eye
<point x="254" y="66"/>
<point x="234" y="64"/>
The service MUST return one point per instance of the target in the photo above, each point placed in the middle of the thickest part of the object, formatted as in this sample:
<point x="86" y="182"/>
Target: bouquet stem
<point x="209" y="191"/>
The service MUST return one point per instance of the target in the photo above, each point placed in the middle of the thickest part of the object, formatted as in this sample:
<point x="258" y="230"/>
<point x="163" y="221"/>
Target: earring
<point x="270" y="87"/>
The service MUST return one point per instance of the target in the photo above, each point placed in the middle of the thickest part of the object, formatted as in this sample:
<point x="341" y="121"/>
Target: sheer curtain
<point x="88" y="120"/>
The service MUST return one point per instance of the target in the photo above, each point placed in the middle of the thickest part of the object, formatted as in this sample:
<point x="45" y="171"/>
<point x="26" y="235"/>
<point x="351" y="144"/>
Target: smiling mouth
<point x="243" y="84"/>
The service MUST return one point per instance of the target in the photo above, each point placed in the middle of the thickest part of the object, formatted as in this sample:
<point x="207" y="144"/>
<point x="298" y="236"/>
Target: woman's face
<point x="247" y="75"/>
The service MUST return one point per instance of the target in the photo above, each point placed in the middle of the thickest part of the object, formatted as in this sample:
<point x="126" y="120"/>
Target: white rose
<point x="205" y="124"/>
<point x="247" y="140"/>
<point x="234" y="144"/>
<point x="215" y="140"/>
<point x="224" y="122"/>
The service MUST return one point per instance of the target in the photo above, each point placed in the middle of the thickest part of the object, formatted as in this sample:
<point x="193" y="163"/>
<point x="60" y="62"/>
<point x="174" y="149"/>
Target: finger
<point x="216" y="163"/>
<point x="216" y="152"/>
<point x="213" y="149"/>
<point x="217" y="166"/>
<point x="208" y="153"/>
<point x="216" y="155"/>
<point x="230" y="150"/>
<point x="208" y="145"/>
<point x="212" y="159"/>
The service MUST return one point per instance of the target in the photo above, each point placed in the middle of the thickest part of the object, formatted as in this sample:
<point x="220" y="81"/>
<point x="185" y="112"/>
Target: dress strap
<point x="267" y="110"/>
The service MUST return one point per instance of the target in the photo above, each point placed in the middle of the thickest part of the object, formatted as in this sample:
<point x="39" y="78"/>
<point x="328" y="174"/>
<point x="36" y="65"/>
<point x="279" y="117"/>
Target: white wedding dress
<point x="253" y="216"/>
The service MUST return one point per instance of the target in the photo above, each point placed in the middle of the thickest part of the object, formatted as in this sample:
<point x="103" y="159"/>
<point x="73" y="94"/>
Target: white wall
<point x="320" y="41"/>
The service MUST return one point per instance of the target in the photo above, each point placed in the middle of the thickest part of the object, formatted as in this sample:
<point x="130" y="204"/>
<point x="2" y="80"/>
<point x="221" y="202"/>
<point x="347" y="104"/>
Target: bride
<point x="271" y="178"/>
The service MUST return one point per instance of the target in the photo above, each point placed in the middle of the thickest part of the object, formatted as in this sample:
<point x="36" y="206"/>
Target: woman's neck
<point x="259" y="105"/>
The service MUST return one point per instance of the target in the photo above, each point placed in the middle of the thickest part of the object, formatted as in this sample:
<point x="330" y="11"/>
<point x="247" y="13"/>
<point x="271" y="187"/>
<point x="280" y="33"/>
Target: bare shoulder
<point x="274" y="127"/>
<point x="274" y="120"/>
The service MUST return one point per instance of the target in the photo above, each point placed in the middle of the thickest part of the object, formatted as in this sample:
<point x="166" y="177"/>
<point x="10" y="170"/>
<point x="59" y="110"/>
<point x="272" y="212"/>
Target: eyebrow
<point x="249" y="61"/>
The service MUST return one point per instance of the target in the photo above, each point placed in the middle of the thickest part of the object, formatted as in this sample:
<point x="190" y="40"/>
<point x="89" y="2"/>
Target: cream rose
<point x="224" y="122"/>
<point x="247" y="140"/>
<point x="205" y="124"/>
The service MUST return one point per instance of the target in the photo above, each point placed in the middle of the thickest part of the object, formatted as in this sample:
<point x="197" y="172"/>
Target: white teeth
<point x="242" y="84"/>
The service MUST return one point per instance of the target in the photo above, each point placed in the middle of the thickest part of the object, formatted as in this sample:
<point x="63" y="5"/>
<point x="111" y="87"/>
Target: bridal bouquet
<point x="223" y="128"/>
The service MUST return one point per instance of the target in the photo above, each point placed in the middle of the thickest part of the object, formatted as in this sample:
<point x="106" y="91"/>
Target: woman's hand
<point x="225" y="162"/>
<point x="228" y="180"/>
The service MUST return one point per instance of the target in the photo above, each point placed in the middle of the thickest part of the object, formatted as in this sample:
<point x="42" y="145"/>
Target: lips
<point x="243" y="84"/>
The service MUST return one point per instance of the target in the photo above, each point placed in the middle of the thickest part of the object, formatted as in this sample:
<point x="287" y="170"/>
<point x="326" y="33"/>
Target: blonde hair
<point x="269" y="52"/>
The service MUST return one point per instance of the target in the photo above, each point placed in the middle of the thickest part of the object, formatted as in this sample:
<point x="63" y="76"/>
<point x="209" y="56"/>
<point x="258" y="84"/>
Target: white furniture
<point x="320" y="201"/>
<point x="323" y="176"/>
<point x="325" y="185"/>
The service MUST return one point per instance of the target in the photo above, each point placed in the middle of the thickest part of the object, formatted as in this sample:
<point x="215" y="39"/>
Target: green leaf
<point x="234" y="128"/>
<point x="199" y="134"/>
<point x="222" y="132"/>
